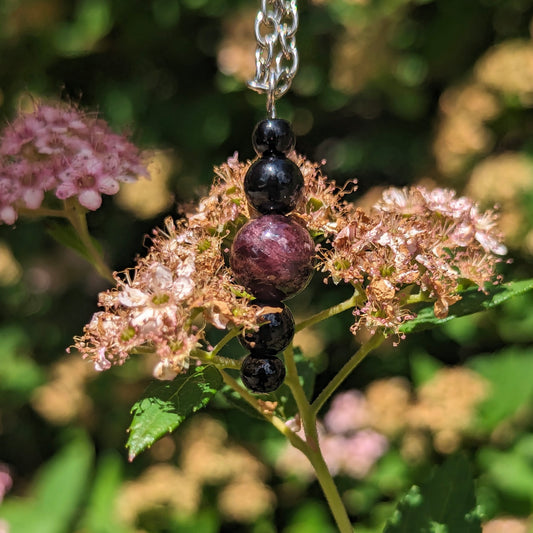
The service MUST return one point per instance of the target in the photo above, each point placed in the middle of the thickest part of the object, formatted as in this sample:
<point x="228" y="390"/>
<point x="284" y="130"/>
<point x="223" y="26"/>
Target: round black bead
<point x="262" y="373"/>
<point x="272" y="337"/>
<point x="273" y="135"/>
<point x="273" y="185"/>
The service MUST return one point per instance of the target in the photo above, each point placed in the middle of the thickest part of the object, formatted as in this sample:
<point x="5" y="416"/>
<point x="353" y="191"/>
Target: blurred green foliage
<point x="368" y="99"/>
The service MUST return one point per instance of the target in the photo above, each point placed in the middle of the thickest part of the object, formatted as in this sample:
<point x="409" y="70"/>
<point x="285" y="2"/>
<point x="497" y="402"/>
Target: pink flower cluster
<point x="349" y="446"/>
<point x="61" y="149"/>
<point x="413" y="242"/>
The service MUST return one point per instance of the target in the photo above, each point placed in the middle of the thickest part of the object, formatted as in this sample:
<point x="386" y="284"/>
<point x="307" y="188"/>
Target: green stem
<point x="216" y="360"/>
<point x="76" y="216"/>
<point x="417" y="298"/>
<point x="42" y="212"/>
<point x="312" y="446"/>
<point x="232" y="333"/>
<point x="307" y="416"/>
<point x="294" y="439"/>
<point x="346" y="370"/>
<point x="331" y="311"/>
<point x="330" y="491"/>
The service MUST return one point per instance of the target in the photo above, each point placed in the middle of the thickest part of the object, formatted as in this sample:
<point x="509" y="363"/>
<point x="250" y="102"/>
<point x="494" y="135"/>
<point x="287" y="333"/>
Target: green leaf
<point x="423" y="367"/>
<point x="66" y="235"/>
<point x="509" y="373"/>
<point x="56" y="494"/>
<point x="100" y="516"/>
<point x="473" y="301"/>
<point x="444" y="504"/>
<point x="165" y="405"/>
<point x="19" y="373"/>
<point x="511" y="472"/>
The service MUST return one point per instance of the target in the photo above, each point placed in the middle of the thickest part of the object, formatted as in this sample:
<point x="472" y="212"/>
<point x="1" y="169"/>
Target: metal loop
<point x="276" y="55"/>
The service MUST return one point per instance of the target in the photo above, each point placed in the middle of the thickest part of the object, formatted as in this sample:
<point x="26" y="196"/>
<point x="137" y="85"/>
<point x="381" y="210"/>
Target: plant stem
<point x="312" y="446"/>
<point x="232" y="333"/>
<point x="216" y="360"/>
<point x="346" y="370"/>
<point x="330" y="491"/>
<point x="42" y="212"/>
<point x="294" y="439"/>
<point x="331" y="311"/>
<point x="76" y="216"/>
<point x="306" y="414"/>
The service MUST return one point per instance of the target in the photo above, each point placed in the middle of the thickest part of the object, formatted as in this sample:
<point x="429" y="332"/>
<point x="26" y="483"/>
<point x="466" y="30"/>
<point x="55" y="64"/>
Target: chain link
<point x="276" y="56"/>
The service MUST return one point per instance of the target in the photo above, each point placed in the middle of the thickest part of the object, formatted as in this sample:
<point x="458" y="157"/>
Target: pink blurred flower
<point x="349" y="447"/>
<point x="347" y="413"/>
<point x="6" y="481"/>
<point x="59" y="148"/>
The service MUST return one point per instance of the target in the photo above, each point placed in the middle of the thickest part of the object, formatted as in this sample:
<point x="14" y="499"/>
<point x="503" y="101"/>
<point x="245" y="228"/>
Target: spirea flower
<point x="413" y="242"/>
<point x="60" y="149"/>
<point x="163" y="304"/>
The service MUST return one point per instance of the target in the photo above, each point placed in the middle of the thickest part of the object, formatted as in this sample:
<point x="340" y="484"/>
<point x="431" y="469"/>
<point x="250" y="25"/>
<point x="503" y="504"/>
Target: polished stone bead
<point x="273" y="336"/>
<point x="273" y="135"/>
<point x="273" y="184"/>
<point x="272" y="256"/>
<point x="261" y="374"/>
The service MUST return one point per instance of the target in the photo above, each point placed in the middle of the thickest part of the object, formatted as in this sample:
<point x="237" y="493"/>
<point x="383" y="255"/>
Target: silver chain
<point x="276" y="56"/>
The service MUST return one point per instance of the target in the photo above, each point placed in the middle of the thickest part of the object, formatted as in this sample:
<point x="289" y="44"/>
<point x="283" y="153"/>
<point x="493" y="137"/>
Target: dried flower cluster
<point x="58" y="148"/>
<point x="412" y="240"/>
<point x="164" y="303"/>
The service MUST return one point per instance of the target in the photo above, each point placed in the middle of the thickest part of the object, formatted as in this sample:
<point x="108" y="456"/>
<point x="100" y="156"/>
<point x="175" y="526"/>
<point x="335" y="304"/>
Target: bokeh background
<point x="438" y="92"/>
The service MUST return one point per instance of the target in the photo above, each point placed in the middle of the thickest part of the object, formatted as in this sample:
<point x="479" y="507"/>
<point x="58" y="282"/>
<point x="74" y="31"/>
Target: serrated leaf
<point x="511" y="387"/>
<point x="473" y="301"/>
<point x="445" y="503"/>
<point x="165" y="405"/>
<point x="66" y="235"/>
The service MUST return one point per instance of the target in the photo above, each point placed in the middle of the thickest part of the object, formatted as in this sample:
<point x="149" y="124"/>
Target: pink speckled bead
<point x="272" y="256"/>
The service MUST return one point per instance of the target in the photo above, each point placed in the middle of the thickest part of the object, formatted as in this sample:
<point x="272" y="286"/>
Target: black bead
<point x="273" y="185"/>
<point x="273" y="135"/>
<point x="272" y="337"/>
<point x="262" y="373"/>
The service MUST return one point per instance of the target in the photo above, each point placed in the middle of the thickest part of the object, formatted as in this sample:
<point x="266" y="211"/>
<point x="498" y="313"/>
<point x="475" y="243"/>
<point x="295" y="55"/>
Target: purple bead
<point x="272" y="256"/>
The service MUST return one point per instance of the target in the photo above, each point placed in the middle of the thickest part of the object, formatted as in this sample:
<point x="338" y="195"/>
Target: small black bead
<point x="273" y="135"/>
<point x="262" y="373"/>
<point x="272" y="337"/>
<point x="273" y="185"/>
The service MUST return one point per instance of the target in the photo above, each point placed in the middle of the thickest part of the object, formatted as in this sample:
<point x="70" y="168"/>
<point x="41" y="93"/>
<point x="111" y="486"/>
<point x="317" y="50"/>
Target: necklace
<point x="272" y="255"/>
